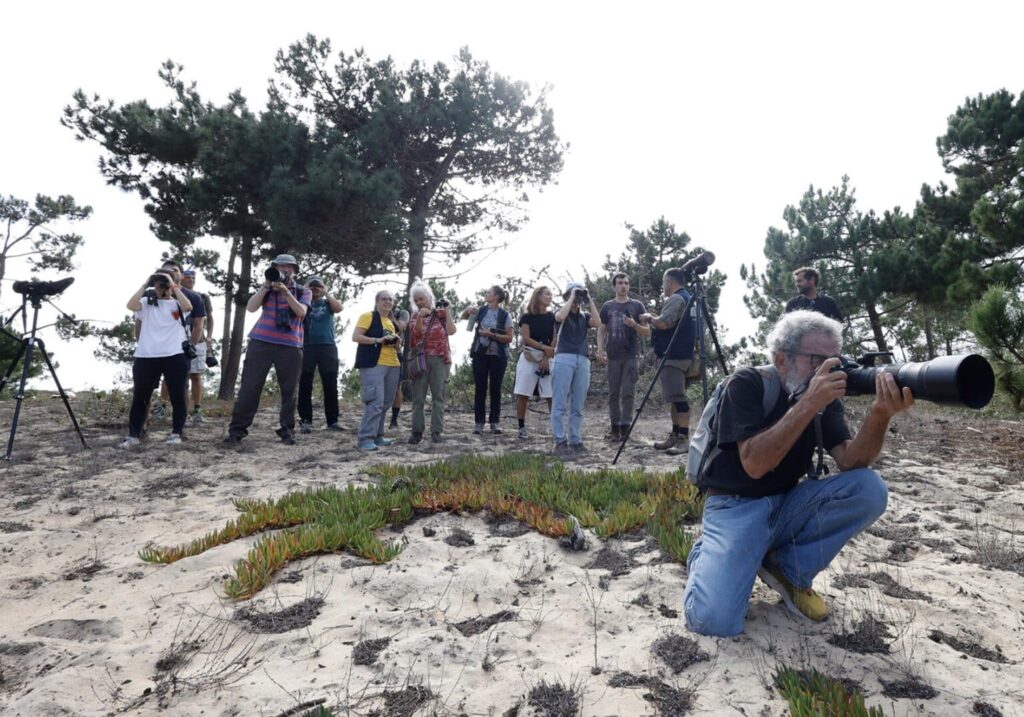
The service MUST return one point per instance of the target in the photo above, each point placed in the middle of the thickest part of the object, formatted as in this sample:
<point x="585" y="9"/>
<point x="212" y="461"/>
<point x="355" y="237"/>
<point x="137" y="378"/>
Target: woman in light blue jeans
<point x="570" y="371"/>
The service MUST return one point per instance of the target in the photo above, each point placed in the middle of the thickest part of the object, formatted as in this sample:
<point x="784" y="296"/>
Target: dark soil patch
<point x="910" y="688"/>
<point x="613" y="561"/>
<point x="668" y="700"/>
<point x="27" y="502"/>
<point x="403" y="703"/>
<point x="641" y="600"/>
<point x="476" y="625"/>
<point x="176" y="485"/>
<point x="678" y="652"/>
<point x="984" y="709"/>
<point x="502" y="526"/>
<point x="177" y="656"/>
<point x="902" y="551"/>
<point x="967" y="647"/>
<point x="459" y="538"/>
<point x="666" y="611"/>
<point x="6" y="527"/>
<point x="869" y="635"/>
<point x="292" y="576"/>
<point x="85" y="572"/>
<point x="885" y="582"/>
<point x="366" y="652"/>
<point x="18" y="649"/>
<point x="893" y="532"/>
<point x="554" y="700"/>
<point x="295" y="617"/>
<point x="428" y="532"/>
<point x="909" y="518"/>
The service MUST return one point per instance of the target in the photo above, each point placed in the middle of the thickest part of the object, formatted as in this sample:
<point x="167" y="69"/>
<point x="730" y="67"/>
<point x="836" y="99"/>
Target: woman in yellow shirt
<point x="379" y="369"/>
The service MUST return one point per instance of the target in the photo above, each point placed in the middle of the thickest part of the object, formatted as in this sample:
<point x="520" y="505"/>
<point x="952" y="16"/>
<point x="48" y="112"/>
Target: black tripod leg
<point x="13" y="365"/>
<point x="714" y="340"/>
<point x="26" y="349"/>
<point x="60" y="390"/>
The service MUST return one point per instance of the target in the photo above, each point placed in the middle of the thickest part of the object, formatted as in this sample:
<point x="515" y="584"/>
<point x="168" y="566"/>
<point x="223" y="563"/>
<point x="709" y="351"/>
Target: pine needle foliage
<point x="532" y="489"/>
<point x="812" y="694"/>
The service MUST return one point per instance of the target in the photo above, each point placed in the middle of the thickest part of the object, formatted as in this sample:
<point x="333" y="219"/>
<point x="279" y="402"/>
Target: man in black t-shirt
<point x="618" y="350"/>
<point x="759" y="519"/>
<point x="806" y="280"/>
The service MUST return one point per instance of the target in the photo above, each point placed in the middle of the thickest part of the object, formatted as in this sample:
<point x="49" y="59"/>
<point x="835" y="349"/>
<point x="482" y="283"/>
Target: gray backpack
<point x="704" y="442"/>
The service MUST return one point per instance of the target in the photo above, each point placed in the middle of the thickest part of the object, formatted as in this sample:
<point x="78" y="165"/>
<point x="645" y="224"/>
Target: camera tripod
<point x="36" y="293"/>
<point x="697" y="304"/>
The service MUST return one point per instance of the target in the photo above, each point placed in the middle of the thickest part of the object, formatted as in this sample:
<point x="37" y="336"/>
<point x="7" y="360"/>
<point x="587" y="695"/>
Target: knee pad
<point x="682" y="406"/>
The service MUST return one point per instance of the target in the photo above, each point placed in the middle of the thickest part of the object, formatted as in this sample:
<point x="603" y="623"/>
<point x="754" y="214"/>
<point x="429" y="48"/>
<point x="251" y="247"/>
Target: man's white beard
<point x="793" y="382"/>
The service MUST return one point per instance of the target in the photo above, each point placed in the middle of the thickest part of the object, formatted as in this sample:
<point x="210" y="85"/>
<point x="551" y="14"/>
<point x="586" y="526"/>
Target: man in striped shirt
<point x="275" y="340"/>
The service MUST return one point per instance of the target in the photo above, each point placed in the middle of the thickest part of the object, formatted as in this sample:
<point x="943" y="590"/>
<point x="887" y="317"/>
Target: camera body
<point x="150" y="296"/>
<point x="273" y="274"/>
<point x="389" y="340"/>
<point x="189" y="349"/>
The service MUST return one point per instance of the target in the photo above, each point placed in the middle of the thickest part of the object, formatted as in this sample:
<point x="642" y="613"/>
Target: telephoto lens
<point x="273" y="274"/>
<point x="965" y="380"/>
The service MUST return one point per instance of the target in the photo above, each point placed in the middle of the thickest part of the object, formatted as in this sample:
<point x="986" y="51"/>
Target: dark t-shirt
<point x="822" y="304"/>
<point x="542" y="327"/>
<point x="572" y="335"/>
<point x="622" y="341"/>
<point x="740" y="417"/>
<point x="198" y="307"/>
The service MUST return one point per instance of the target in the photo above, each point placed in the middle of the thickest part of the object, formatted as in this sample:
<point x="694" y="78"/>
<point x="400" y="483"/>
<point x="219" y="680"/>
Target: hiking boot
<point x="381" y="441"/>
<point x="415" y="438"/>
<point x="479" y="430"/>
<point x="335" y="427"/>
<point x="286" y="436"/>
<point x="669" y="442"/>
<point x="174" y="439"/>
<point x="305" y="426"/>
<point x="522" y="434"/>
<point x="197" y="416"/>
<point x="577" y="449"/>
<point x="129" y="442"/>
<point x="679" y="449"/>
<point x="231" y="440"/>
<point x="562" y="449"/>
<point x="613" y="434"/>
<point x="803" y="602"/>
<point x="624" y="431"/>
<point x="436" y="438"/>
<point x="495" y="428"/>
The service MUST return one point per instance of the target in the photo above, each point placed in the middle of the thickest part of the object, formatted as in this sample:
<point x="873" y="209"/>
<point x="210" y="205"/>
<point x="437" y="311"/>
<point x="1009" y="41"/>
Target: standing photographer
<point x="619" y="349"/>
<point x="489" y="355"/>
<point x="678" y="357"/>
<point x="194" y="321"/>
<point x="533" y="370"/>
<point x="430" y="329"/>
<point x="160" y="351"/>
<point x="571" y="370"/>
<point x="379" y="369"/>
<point x="275" y="341"/>
<point x="319" y="353"/>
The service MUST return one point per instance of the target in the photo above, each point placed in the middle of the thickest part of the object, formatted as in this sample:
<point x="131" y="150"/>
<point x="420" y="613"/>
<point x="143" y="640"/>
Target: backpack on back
<point x="704" y="442"/>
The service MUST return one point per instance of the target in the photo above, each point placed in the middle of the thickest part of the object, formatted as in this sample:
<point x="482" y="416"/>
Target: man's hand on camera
<point x="826" y="385"/>
<point x="889" y="400"/>
<point x="278" y="286"/>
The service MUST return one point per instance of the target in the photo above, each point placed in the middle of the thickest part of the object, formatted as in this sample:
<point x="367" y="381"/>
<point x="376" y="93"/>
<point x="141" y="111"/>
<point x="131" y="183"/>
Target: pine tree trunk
<point x="929" y="337"/>
<point x="876" y="327"/>
<point x="229" y="301"/>
<point x="417" y="247"/>
<point x="229" y="377"/>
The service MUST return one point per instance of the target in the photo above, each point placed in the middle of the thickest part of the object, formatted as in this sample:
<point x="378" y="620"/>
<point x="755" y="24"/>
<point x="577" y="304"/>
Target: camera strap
<point x="181" y="318"/>
<point x="816" y="472"/>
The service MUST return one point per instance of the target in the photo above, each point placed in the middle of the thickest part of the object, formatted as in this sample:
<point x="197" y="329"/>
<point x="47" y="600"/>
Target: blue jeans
<point x="570" y="379"/>
<point x="806" y="527"/>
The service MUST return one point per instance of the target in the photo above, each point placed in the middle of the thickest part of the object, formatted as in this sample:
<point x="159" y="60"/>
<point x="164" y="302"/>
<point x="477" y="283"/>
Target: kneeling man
<point x="759" y="518"/>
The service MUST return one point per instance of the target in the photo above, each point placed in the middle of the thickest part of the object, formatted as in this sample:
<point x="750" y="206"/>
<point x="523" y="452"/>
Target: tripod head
<point x="35" y="291"/>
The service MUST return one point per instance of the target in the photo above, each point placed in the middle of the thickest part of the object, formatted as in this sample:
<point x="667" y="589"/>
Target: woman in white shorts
<point x="533" y="371"/>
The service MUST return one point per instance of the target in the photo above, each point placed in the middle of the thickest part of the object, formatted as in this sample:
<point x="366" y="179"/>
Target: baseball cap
<point x="315" y="281"/>
<point x="189" y="272"/>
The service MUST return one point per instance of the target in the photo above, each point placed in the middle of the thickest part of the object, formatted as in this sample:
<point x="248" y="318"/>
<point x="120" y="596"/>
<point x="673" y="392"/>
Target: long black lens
<point x="966" y="380"/>
<point x="272" y="274"/>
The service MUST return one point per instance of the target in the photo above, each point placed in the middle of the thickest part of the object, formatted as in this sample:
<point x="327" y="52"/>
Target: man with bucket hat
<point x="275" y="341"/>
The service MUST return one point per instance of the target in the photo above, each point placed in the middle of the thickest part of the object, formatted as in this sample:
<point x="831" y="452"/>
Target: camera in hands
<point x="964" y="380"/>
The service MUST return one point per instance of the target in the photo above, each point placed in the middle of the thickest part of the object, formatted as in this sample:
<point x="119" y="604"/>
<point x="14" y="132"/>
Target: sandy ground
<point x="475" y="617"/>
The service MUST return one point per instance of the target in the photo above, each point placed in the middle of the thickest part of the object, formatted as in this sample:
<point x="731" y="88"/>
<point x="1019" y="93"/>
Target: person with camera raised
<point x="203" y="343"/>
<point x="533" y="370"/>
<point x="677" y="355"/>
<point x="319" y="353"/>
<point x="160" y="305"/>
<point x="431" y="325"/>
<point x="275" y="341"/>
<point x="570" y="372"/>
<point x="379" y="369"/>
<point x="759" y="519"/>
<point x="619" y="349"/>
<point x="489" y="355"/>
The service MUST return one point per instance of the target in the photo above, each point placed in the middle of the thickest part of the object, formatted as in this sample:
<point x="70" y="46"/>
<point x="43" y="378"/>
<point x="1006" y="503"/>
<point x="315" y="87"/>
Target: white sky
<point x="714" y="115"/>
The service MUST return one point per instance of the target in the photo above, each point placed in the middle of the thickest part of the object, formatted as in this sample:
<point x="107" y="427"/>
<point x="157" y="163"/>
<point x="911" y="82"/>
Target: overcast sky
<point x="715" y="115"/>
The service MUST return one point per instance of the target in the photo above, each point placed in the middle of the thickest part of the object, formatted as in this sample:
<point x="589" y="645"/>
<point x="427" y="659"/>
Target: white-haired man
<point x="759" y="519"/>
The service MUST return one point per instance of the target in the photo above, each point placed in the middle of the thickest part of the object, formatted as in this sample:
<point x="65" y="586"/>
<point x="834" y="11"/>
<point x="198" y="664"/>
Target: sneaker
<point x="231" y="440"/>
<point x="478" y="430"/>
<point x="305" y="426"/>
<point x="613" y="434"/>
<point x="335" y="427"/>
<point x="173" y="439"/>
<point x="624" y="431"/>
<point x="804" y="602"/>
<point x="562" y="449"/>
<point x="129" y="442"/>
<point x="159" y="411"/>
<point x="286" y="436"/>
<point x="415" y="438"/>
<point x="669" y="442"/>
<point x="369" y="446"/>
<point x="381" y="441"/>
<point x="197" y="417"/>
<point x="522" y="434"/>
<point x="495" y="428"/>
<point x="436" y="438"/>
<point x="577" y="448"/>
<point x="681" y="448"/>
